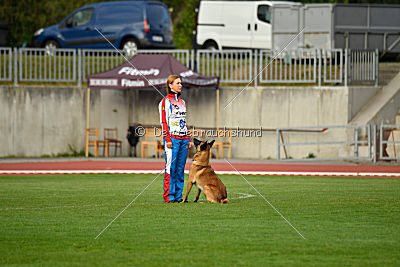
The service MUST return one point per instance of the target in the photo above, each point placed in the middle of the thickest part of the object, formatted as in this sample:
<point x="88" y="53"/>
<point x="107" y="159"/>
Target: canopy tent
<point x="146" y="71"/>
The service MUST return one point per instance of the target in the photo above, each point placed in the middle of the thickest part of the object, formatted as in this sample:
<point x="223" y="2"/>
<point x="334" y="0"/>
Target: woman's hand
<point x="169" y="144"/>
<point x="191" y="144"/>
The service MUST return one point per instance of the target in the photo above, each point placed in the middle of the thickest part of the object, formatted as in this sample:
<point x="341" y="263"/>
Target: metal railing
<point x="6" y="63"/>
<point x="363" y="66"/>
<point x="39" y="64"/>
<point x="384" y="142"/>
<point x="232" y="66"/>
<point x="333" y="61"/>
<point x="327" y="139"/>
<point x="294" y="66"/>
<point x="336" y="66"/>
<point x="100" y="60"/>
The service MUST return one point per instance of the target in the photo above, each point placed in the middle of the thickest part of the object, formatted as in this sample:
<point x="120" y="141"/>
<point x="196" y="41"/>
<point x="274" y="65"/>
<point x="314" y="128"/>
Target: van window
<point x="81" y="17"/>
<point x="157" y="14"/>
<point x="120" y="15"/>
<point x="263" y="13"/>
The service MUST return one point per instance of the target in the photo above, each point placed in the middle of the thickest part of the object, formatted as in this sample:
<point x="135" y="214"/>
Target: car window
<point x="157" y="14"/>
<point x="117" y="15"/>
<point x="81" y="17"/>
<point x="263" y="13"/>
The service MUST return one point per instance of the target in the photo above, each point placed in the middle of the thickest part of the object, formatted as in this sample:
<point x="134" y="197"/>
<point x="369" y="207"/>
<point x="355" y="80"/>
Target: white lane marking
<point x="268" y="173"/>
<point x="45" y="208"/>
<point x="243" y="195"/>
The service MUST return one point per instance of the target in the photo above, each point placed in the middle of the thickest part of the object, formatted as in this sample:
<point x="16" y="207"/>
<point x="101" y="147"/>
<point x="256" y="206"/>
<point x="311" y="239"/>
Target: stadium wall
<point x="45" y="120"/>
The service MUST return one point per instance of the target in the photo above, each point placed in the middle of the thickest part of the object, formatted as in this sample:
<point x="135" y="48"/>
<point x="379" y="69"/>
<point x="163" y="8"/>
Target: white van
<point x="235" y="24"/>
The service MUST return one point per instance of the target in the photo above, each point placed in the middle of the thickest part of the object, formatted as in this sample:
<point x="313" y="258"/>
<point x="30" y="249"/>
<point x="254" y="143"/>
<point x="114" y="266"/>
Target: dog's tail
<point x="225" y="200"/>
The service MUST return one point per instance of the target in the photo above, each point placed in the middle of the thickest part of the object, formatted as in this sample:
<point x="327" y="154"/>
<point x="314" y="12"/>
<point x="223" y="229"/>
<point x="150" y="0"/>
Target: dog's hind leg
<point x="198" y="194"/>
<point x="209" y="193"/>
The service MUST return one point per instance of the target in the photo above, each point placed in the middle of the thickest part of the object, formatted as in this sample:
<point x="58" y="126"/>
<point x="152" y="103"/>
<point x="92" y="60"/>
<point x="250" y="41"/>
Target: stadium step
<point x="384" y="97"/>
<point x="387" y="71"/>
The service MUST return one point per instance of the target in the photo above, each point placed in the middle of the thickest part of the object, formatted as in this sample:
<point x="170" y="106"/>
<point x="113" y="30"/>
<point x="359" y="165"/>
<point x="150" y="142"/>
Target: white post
<point x="87" y="120"/>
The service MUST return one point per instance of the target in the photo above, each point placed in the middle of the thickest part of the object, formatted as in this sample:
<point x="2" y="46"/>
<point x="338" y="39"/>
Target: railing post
<point x="380" y="141"/>
<point x="376" y="67"/>
<point x="15" y="66"/>
<point x="254" y="72"/>
<point x="346" y="66"/>
<point x="356" y="142"/>
<point x="375" y="144"/>
<point x="79" y="67"/>
<point x="319" y="67"/>
<point x="278" y="148"/>
<point x="198" y="62"/>
<point x="191" y="53"/>
<point x="369" y="140"/>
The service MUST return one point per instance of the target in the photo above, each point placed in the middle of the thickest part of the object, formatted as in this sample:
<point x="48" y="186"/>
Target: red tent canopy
<point x="149" y="70"/>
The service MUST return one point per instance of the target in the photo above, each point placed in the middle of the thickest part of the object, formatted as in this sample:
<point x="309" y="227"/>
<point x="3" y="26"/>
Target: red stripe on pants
<point x="166" y="187"/>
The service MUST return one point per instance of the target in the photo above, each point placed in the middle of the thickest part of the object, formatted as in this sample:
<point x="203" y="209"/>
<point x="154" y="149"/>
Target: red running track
<point x="246" y="168"/>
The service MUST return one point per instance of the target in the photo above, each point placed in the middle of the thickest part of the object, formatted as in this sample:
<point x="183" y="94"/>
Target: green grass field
<point x="53" y="220"/>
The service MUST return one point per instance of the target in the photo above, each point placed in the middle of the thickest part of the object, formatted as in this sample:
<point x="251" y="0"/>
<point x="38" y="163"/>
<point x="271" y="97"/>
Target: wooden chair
<point x="223" y="142"/>
<point x="152" y="137"/>
<point x="111" y="135"/>
<point x="92" y="140"/>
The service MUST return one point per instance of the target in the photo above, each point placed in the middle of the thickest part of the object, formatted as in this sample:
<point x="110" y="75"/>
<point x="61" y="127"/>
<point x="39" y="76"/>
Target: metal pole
<point x="346" y="66"/>
<point x="278" y="157"/>
<point x="254" y="72"/>
<point x="79" y="68"/>
<point x="369" y="140"/>
<point x="355" y="142"/>
<point x="87" y="119"/>
<point x="375" y="144"/>
<point x="319" y="68"/>
<point x="217" y="109"/>
<point x="15" y="66"/>
<point x="380" y="141"/>
<point x="376" y="67"/>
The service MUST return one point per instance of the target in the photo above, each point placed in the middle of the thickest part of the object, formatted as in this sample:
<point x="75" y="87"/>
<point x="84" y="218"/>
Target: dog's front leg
<point x="198" y="194"/>
<point x="189" y="187"/>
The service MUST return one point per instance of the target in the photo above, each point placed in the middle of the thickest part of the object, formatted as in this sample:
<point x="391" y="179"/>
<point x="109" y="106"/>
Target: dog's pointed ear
<point x="196" y="142"/>
<point x="211" y="143"/>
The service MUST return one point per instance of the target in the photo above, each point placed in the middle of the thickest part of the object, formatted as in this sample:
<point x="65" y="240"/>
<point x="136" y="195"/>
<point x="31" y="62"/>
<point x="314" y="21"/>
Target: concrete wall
<point x="359" y="96"/>
<point x="39" y="120"/>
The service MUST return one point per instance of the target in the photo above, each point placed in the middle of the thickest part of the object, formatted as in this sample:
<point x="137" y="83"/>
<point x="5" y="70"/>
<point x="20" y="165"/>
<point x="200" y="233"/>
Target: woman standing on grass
<point x="176" y="139"/>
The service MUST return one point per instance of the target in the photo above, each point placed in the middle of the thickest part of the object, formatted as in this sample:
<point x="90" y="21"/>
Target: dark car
<point x="128" y="25"/>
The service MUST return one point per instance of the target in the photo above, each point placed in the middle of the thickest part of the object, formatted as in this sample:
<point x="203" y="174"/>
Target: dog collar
<point x="198" y="164"/>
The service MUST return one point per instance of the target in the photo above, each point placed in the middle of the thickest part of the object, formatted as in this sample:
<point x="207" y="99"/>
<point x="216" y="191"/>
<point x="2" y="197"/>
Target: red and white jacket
<point x="173" y="117"/>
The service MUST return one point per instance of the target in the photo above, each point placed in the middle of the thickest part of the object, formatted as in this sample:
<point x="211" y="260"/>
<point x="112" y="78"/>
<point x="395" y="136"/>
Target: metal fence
<point x="232" y="66"/>
<point x="39" y="64"/>
<point x="294" y="66"/>
<point x="363" y="66"/>
<point x="333" y="62"/>
<point x="325" y="136"/>
<point x="6" y="63"/>
<point x="385" y="144"/>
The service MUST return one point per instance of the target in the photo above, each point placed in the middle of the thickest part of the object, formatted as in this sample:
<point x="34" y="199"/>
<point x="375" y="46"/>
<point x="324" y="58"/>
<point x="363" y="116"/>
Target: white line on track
<point x="45" y="208"/>
<point x="268" y="173"/>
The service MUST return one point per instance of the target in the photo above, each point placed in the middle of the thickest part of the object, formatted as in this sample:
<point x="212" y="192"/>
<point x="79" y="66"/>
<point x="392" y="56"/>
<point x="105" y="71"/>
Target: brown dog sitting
<point x="203" y="176"/>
